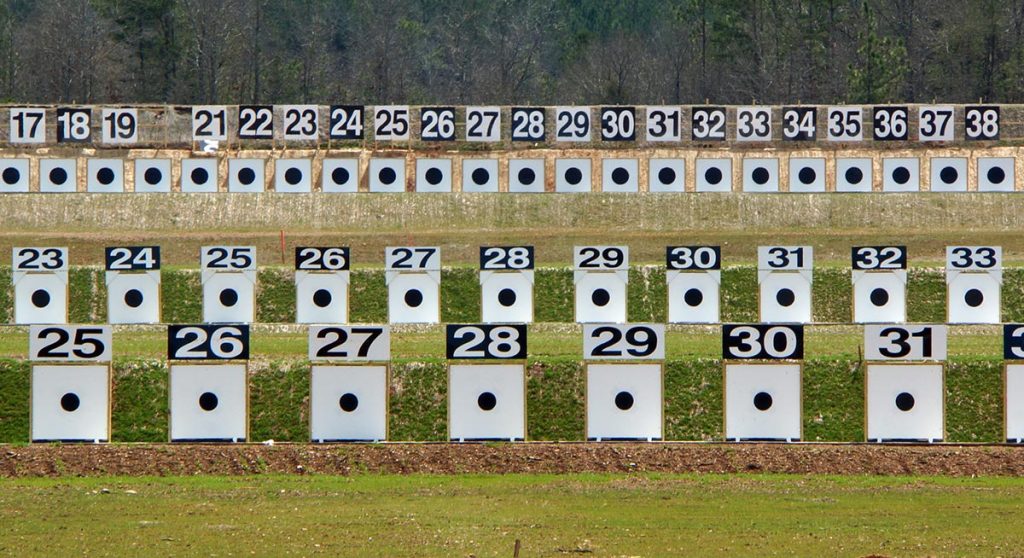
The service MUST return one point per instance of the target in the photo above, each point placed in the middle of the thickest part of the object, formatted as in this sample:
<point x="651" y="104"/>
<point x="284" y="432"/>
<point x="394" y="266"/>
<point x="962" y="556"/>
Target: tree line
<point x="510" y="51"/>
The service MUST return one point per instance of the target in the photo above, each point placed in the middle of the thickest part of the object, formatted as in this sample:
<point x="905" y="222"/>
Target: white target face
<point x="526" y="175"/>
<point x="666" y="175"/>
<point x="479" y="175"/>
<point x="58" y="175"/>
<point x="879" y="297"/>
<point x="209" y="402"/>
<point x="948" y="174"/>
<point x="340" y="175"/>
<point x="1015" y="403"/>
<point x="105" y="175"/>
<point x="760" y="175"/>
<point x="433" y="175"/>
<point x="414" y="298"/>
<point x="901" y="174"/>
<point x="293" y="176"/>
<point x="348" y="403"/>
<point x="13" y="175"/>
<point x="806" y="174"/>
<point x="904" y="402"/>
<point x="70" y="403"/>
<point x="600" y="297"/>
<point x="152" y="175"/>
<point x="785" y="297"/>
<point x="198" y="175"/>
<point x="620" y="175"/>
<point x="507" y="298"/>
<point x="996" y="174"/>
<point x="973" y="298"/>
<point x="714" y="175"/>
<point x="762" y="402"/>
<point x="693" y="297"/>
<point x="133" y="298"/>
<point x="41" y="298"/>
<point x="572" y="175"/>
<point x="853" y="175"/>
<point x="321" y="298"/>
<point x="486" y="402"/>
<point x="387" y="175"/>
<point x="246" y="175"/>
<point x="228" y="298"/>
<point x="624" y="402"/>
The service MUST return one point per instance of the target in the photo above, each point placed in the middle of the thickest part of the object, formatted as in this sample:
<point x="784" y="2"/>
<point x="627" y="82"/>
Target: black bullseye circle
<point x="387" y="176"/>
<point x="293" y="176"/>
<point x="807" y="175"/>
<point x="208" y="401"/>
<point x="854" y="175"/>
<point x="322" y="298"/>
<point x="693" y="297"/>
<point x="904" y="401"/>
<point x="948" y="175"/>
<point x="879" y="297"/>
<point x="973" y="298"/>
<point x="713" y="175"/>
<point x="600" y="297"/>
<point x="105" y="176"/>
<point x="901" y="175"/>
<point x="70" y="402"/>
<point x="246" y="176"/>
<point x="506" y="297"/>
<point x="785" y="297"/>
<point x="58" y="176"/>
<point x="339" y="175"/>
<point x="996" y="175"/>
<point x="152" y="176"/>
<point x="666" y="175"/>
<point x="413" y="298"/>
<point x="527" y="176"/>
<point x="480" y="176"/>
<point x="760" y="176"/>
<point x="434" y="176"/>
<point x="573" y="175"/>
<point x="133" y="298"/>
<point x="199" y="175"/>
<point x="762" y="401"/>
<point x="40" y="298"/>
<point x="228" y="297"/>
<point x="620" y="176"/>
<point x="487" y="401"/>
<point x="348" y="402"/>
<point x="11" y="175"/>
<point x="624" y="400"/>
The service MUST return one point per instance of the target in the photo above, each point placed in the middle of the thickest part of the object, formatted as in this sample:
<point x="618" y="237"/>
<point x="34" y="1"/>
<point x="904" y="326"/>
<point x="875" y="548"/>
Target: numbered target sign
<point x="528" y="124"/>
<point x="321" y="284"/>
<point x="506" y="258"/>
<point x="27" y="125"/>
<point x="133" y="284"/>
<point x="70" y="343"/>
<point x="256" y="122"/>
<point x="229" y="283"/>
<point x="890" y="123"/>
<point x="981" y="122"/>
<point x="300" y="122"/>
<point x="322" y="258"/>
<point x="784" y="257"/>
<point x="762" y="342"/>
<point x="413" y="276"/>
<point x="935" y="123"/>
<point x="784" y="280"/>
<point x="208" y="342"/>
<point x="1013" y="341"/>
<point x="362" y="343"/>
<point x="754" y="124"/>
<point x="483" y="123"/>
<point x="624" y="342"/>
<point x="904" y="342"/>
<point x="391" y="123"/>
<point x="664" y="123"/>
<point x="485" y="341"/>
<point x="845" y="124"/>
<point x="119" y="126"/>
<point x="347" y="122"/>
<point x="506" y="283"/>
<point x="879" y="258"/>
<point x="132" y="258"/>
<point x="594" y="258"/>
<point x="879" y="283"/>
<point x="228" y="258"/>
<point x="601" y="274"/>
<point x="40" y="259"/>
<point x="572" y="123"/>
<point x="693" y="276"/>
<point x="799" y="124"/>
<point x="40" y="277"/>
<point x="413" y="258"/>
<point x="974" y="276"/>
<point x="707" y="124"/>
<point x="693" y="258"/>
<point x="974" y="258"/>
<point x="437" y="124"/>
<point x="74" y="125"/>
<point x="209" y="123"/>
<point x="618" y="123"/>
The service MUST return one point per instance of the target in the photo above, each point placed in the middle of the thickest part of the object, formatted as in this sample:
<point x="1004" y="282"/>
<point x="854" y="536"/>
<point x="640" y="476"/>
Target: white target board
<point x="300" y="122"/>
<point x="105" y="175"/>
<point x="479" y="175"/>
<point x="209" y="123"/>
<point x="854" y="174"/>
<point x="624" y="394"/>
<point x="40" y="277"/>
<point x="133" y="284"/>
<point x="996" y="174"/>
<point x="694" y="278"/>
<point x="483" y="124"/>
<point x="714" y="175"/>
<point x="904" y="402"/>
<point x="763" y="402"/>
<point x="246" y="175"/>
<point x="974" y="277"/>
<point x="486" y="401"/>
<point x="526" y="175"/>
<point x="901" y="174"/>
<point x="879" y="278"/>
<point x="152" y="176"/>
<point x="666" y="175"/>
<point x="387" y="175"/>
<point x="339" y="175"/>
<point x="208" y="402"/>
<point x="760" y="174"/>
<point x="199" y="175"/>
<point x="506" y="284"/>
<point x="806" y="174"/>
<point x="58" y="175"/>
<point x="572" y="175"/>
<point x="14" y="176"/>
<point x="293" y="176"/>
<point x="620" y="175"/>
<point x="784" y="276"/>
<point x="413" y="276"/>
<point x="948" y="174"/>
<point x="349" y="401"/>
<point x="433" y="175"/>
<point x="229" y="283"/>
<point x="321" y="284"/>
<point x="601" y="275"/>
<point x="1013" y="379"/>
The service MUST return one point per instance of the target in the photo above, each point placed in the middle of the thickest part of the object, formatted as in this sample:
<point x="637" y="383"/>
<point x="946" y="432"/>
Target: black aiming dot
<point x="339" y="175"/>
<point x="434" y="176"/>
<point x="41" y="298"/>
<point x="600" y="297"/>
<point x="620" y="176"/>
<point x="948" y="175"/>
<point x="760" y="176"/>
<point x="70" y="402"/>
<point x="152" y="175"/>
<point x="486" y="401"/>
<point x="413" y="298"/>
<point x="624" y="400"/>
<point x="807" y="175"/>
<point x="105" y="176"/>
<point x="762" y="401"/>
<point x="693" y="297"/>
<point x="348" y="402"/>
<point x="879" y="297"/>
<point x="481" y="176"/>
<point x="246" y="176"/>
<point x="904" y="401"/>
<point x="996" y="175"/>
<point x="713" y="175"/>
<point x="666" y="175"/>
<point x="506" y="297"/>
<point x="199" y="175"/>
<point x="973" y="298"/>
<point x="901" y="175"/>
<point x="387" y="175"/>
<point x="228" y="297"/>
<point x="58" y="176"/>
<point x="11" y="175"/>
<point x="322" y="298"/>
<point x="208" y="401"/>
<point x="527" y="176"/>
<point x="854" y="175"/>
<point x="573" y="176"/>
<point x="133" y="298"/>
<point x="293" y="176"/>
<point x="785" y="297"/>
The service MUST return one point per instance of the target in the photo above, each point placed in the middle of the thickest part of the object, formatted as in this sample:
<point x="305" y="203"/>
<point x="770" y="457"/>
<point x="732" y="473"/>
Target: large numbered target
<point x="246" y="175"/>
<point x="348" y="403"/>
<point x="321" y="298"/>
<point x="387" y="175"/>
<point x="853" y="175"/>
<point x="70" y="403"/>
<point x="199" y="175"/>
<point x="904" y="402"/>
<point x="58" y="175"/>
<point x="601" y="297"/>
<point x="624" y="402"/>
<point x="901" y="174"/>
<point x="14" y="175"/>
<point x="340" y="175"/>
<point x="693" y="297"/>
<point x="40" y="279"/>
<point x="762" y="402"/>
<point x="209" y="402"/>
<point x="152" y="175"/>
<point x="572" y="175"/>
<point x="806" y="174"/>
<point x="1014" y="398"/>
<point x="620" y="175"/>
<point x="714" y="175"/>
<point x="433" y="175"/>
<point x="973" y="298"/>
<point x="760" y="175"/>
<point x="414" y="298"/>
<point x="486" y="402"/>
<point x="948" y="174"/>
<point x="507" y="297"/>
<point x="479" y="175"/>
<point x="996" y="174"/>
<point x="133" y="298"/>
<point x="785" y="297"/>
<point x="526" y="175"/>
<point x="293" y="176"/>
<point x="879" y="297"/>
<point x="666" y="175"/>
<point x="105" y="175"/>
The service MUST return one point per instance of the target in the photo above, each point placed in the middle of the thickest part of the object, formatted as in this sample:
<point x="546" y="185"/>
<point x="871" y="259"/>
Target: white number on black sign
<point x="391" y="123"/>
<point x="74" y="124"/>
<point x="844" y="124"/>
<point x="890" y="123"/>
<point x="351" y="343"/>
<point x="317" y="258"/>
<point x="256" y="122"/>
<point x="707" y="124"/>
<point x="485" y="341"/>
<point x="935" y="123"/>
<point x="572" y="124"/>
<point x="762" y="341"/>
<point x="506" y="257"/>
<point x="879" y="257"/>
<point x="301" y="122"/>
<point x="527" y="124"/>
<point x="693" y="257"/>
<point x="483" y="123"/>
<point x="783" y="257"/>
<point x="973" y="257"/>
<point x="228" y="257"/>
<point x="799" y="123"/>
<point x="346" y="122"/>
<point x="981" y="122"/>
<point x="412" y="258"/>
<point x="69" y="343"/>
<point x="120" y="126"/>
<point x="437" y="124"/>
<point x="40" y="259"/>
<point x="132" y="258"/>
<point x="208" y="342"/>
<point x="905" y="342"/>
<point x="618" y="123"/>
<point x="600" y="257"/>
<point x="209" y="123"/>
<point x="1013" y="341"/>
<point x="664" y="123"/>
<point x="623" y="342"/>
<point x="27" y="125"/>
<point x="753" y="123"/>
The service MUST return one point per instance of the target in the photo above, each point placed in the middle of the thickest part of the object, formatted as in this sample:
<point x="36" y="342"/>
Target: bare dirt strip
<point x="443" y="458"/>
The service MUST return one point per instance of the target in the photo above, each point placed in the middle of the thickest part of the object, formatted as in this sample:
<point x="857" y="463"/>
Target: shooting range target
<point x="209" y="402"/>
<point x="40" y="277"/>
<point x="973" y="298"/>
<point x="387" y="175"/>
<point x="904" y="402"/>
<point x="807" y="174"/>
<point x="58" y="175"/>
<point x="620" y="175"/>
<point x="321" y="298"/>
<point x="760" y="175"/>
<point x="901" y="174"/>
<point x="152" y="175"/>
<point x="763" y="402"/>
<point x="433" y="175"/>
<point x="666" y="175"/>
<point x="693" y="296"/>
<point x="13" y="175"/>
<point x="70" y="403"/>
<point x="199" y="175"/>
<point x="479" y="175"/>
<point x="948" y="174"/>
<point x="785" y="297"/>
<point x="880" y="296"/>
<point x="340" y="175"/>
<point x="293" y="176"/>
<point x="486" y="402"/>
<point x="246" y="175"/>
<point x="507" y="297"/>
<point x="414" y="298"/>
<point x="624" y="402"/>
<point x="526" y="175"/>
<point x="600" y="297"/>
<point x="348" y="403"/>
<point x="133" y="298"/>
<point x="714" y="175"/>
<point x="572" y="175"/>
<point x="853" y="175"/>
<point x="105" y="175"/>
<point x="1014" y="394"/>
<point x="996" y="174"/>
<point x="228" y="298"/>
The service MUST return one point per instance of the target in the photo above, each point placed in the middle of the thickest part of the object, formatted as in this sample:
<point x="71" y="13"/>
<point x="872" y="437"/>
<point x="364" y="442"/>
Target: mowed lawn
<point x="482" y="515"/>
